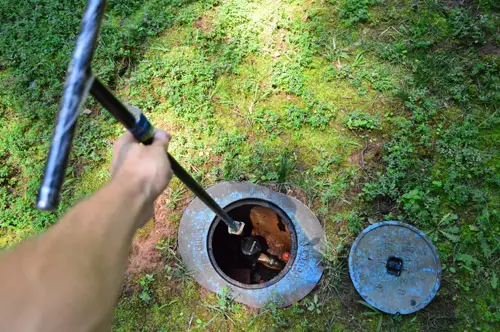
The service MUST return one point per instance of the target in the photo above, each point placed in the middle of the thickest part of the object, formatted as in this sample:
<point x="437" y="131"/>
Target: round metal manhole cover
<point x="289" y="233"/>
<point x="394" y="267"/>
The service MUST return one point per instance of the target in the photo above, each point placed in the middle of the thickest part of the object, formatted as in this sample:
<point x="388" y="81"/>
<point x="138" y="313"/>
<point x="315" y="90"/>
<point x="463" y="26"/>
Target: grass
<point x="370" y="110"/>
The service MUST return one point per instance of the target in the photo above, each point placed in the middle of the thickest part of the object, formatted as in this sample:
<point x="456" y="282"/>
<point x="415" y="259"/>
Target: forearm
<point x="70" y="277"/>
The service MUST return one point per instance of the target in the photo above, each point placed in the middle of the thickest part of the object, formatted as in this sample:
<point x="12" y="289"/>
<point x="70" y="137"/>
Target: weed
<point x="267" y="120"/>
<point x="334" y="268"/>
<point x="465" y="27"/>
<point x="277" y="315"/>
<point x="175" y="196"/>
<point x="489" y="4"/>
<point x="359" y="120"/>
<point x="373" y="313"/>
<point x="354" y="222"/>
<point x="175" y="268"/>
<point x="381" y="81"/>
<point x="317" y="115"/>
<point x="297" y="116"/>
<point x="321" y="116"/>
<point x="146" y="294"/>
<point x="288" y="77"/>
<point x="353" y="11"/>
<point x="224" y="308"/>
<point x="326" y="163"/>
<point x="301" y="38"/>
<point x="313" y="305"/>
<point x="285" y="165"/>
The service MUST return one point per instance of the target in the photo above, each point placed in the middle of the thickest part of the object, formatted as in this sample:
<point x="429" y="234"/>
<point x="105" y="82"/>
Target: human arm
<point x="69" y="278"/>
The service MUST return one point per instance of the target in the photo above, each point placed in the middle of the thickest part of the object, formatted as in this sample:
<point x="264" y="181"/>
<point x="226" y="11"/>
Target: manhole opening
<point x="265" y="251"/>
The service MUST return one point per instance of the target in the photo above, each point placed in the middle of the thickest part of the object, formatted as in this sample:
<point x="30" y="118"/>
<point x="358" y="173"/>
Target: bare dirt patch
<point x="460" y="4"/>
<point x="297" y="193"/>
<point x="370" y="153"/>
<point x="144" y="256"/>
<point x="204" y="23"/>
<point x="204" y="293"/>
<point x="489" y="50"/>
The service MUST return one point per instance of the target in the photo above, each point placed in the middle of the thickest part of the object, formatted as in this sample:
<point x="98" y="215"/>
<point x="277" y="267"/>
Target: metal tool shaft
<point x="128" y="119"/>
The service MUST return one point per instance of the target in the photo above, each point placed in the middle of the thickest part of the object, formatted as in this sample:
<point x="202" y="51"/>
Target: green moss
<point x="92" y="178"/>
<point x="11" y="236"/>
<point x="482" y="309"/>
<point x="178" y="311"/>
<point x="171" y="311"/>
<point x="130" y="314"/>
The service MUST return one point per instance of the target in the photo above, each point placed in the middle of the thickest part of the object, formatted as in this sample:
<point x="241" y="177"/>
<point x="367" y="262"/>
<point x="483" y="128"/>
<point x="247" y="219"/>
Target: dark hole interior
<point x="394" y="265"/>
<point x="263" y="224"/>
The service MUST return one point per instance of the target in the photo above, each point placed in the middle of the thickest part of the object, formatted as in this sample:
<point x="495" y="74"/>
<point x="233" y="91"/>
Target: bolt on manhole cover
<point x="278" y="257"/>
<point x="394" y="267"/>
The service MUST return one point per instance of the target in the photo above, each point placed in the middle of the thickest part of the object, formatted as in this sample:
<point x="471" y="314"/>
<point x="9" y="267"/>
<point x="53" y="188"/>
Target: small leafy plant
<point x="313" y="305"/>
<point x="354" y="11"/>
<point x="224" y="307"/>
<point x="146" y="294"/>
<point x="359" y="120"/>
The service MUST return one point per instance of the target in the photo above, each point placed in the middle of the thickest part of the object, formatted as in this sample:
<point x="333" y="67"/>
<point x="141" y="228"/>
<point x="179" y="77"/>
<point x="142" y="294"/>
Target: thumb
<point x="160" y="138"/>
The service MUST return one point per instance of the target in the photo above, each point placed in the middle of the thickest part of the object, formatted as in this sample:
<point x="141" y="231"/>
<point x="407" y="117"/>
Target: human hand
<point x="144" y="166"/>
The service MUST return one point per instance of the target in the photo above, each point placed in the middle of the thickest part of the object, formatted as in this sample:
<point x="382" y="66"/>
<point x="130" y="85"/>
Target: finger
<point x="125" y="139"/>
<point x="161" y="138"/>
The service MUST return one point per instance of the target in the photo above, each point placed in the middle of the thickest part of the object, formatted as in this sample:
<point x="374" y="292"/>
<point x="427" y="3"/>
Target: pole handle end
<point x="48" y="199"/>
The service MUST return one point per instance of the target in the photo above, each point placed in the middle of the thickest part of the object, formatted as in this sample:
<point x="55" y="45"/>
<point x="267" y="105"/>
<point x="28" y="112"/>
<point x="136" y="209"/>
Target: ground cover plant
<point x="364" y="110"/>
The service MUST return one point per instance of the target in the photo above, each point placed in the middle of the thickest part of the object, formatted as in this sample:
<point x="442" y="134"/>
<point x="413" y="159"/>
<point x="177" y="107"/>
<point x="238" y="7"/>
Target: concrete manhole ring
<point x="300" y="275"/>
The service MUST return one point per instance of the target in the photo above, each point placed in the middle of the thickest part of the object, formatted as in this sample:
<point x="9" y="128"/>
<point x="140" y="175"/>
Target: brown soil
<point x="459" y="3"/>
<point x="489" y="50"/>
<point x="204" y="293"/>
<point x="204" y="23"/>
<point x="144" y="256"/>
<point x="298" y="194"/>
<point x="370" y="153"/>
<point x="356" y="158"/>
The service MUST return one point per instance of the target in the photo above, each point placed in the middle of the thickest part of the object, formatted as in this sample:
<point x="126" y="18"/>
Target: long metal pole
<point x="77" y="85"/>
